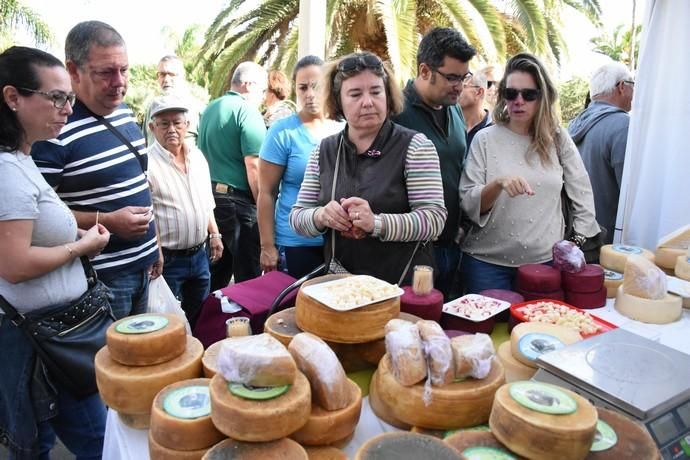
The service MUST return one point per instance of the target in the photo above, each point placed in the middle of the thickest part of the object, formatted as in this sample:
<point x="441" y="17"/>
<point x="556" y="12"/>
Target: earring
<point x="14" y="109"/>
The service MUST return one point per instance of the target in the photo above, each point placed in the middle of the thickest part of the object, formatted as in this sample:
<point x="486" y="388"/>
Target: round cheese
<point x="326" y="427"/>
<point x="380" y="408"/>
<point x="590" y="279"/>
<point x="644" y="279"/>
<point x="467" y="442"/>
<point x="145" y="340"/>
<point x="666" y="257"/>
<point x="231" y="449"/>
<point x="210" y="359"/>
<point x="682" y="267"/>
<point x="543" y="421"/>
<point x="612" y="280"/>
<point x="181" y="416"/>
<point x="440" y="434"/>
<point x="325" y="453"/>
<point x="666" y="310"/>
<point x="136" y="421"/>
<point x="587" y="300"/>
<point x="613" y="256"/>
<point x="621" y="437"/>
<point x="283" y="325"/>
<point x="159" y="452"/>
<point x="456" y="405"/>
<point x="514" y="369"/>
<point x="537" y="278"/>
<point x="528" y="340"/>
<point x="256" y="360"/>
<point x="363" y="324"/>
<point x="406" y="446"/>
<point x="558" y="294"/>
<point x="264" y="420"/>
<point x="131" y="389"/>
<point x="424" y="306"/>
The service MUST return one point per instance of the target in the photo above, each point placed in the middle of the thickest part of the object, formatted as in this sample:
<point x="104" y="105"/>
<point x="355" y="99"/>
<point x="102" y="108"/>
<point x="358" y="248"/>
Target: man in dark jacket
<point x="600" y="133"/>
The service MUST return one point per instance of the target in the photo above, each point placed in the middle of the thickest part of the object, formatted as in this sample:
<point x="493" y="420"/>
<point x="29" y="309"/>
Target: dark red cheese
<point x="567" y="257"/>
<point x="587" y="299"/>
<point x="537" y="278"/>
<point x="589" y="280"/>
<point x="425" y="306"/>
<point x="452" y="322"/>
<point x="558" y="294"/>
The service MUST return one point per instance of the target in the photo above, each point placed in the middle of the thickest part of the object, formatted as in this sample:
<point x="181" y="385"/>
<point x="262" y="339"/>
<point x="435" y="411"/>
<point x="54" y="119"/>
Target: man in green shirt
<point x="231" y="132"/>
<point x="431" y="107"/>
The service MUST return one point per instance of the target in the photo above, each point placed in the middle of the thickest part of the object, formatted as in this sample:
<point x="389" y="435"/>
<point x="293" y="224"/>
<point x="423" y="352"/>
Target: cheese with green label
<point x="147" y="339"/>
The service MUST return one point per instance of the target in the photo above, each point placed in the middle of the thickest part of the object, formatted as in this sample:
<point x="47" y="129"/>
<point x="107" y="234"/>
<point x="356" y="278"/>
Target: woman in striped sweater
<point x="377" y="185"/>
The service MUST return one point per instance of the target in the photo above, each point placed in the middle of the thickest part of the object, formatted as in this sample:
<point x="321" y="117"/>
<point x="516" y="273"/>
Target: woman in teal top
<point x="283" y="158"/>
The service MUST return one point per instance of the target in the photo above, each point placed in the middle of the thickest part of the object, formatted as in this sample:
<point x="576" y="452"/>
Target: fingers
<point x="334" y="216"/>
<point x="516" y="185"/>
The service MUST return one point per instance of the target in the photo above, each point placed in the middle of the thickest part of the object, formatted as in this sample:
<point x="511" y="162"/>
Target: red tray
<point x="517" y="311"/>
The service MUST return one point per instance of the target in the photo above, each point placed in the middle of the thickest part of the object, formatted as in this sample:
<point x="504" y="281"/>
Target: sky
<point x="141" y="21"/>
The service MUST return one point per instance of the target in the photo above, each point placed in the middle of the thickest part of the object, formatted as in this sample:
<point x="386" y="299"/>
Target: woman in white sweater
<point x="512" y="181"/>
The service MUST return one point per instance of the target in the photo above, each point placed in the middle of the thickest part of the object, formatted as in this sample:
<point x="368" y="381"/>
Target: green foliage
<point x="572" y="94"/>
<point x="142" y="87"/>
<point x="13" y="15"/>
<point x="617" y="45"/>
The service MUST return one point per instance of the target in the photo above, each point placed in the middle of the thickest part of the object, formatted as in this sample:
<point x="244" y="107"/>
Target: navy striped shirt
<point x="93" y="171"/>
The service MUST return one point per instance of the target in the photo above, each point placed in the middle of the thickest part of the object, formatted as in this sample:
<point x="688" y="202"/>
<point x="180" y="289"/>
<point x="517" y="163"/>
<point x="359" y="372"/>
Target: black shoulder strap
<point x="123" y="139"/>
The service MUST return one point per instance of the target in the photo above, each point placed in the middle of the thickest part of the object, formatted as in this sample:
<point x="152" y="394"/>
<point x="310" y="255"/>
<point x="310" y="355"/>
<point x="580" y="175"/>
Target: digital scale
<point x="633" y="375"/>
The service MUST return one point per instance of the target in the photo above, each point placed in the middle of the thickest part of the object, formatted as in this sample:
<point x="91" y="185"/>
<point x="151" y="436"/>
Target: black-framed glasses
<point x="528" y="94"/>
<point x="59" y="98"/>
<point x="454" y="78"/>
<point x="359" y="62"/>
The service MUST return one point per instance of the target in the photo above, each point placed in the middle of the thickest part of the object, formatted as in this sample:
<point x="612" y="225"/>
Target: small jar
<point x="423" y="280"/>
<point x="238" y="327"/>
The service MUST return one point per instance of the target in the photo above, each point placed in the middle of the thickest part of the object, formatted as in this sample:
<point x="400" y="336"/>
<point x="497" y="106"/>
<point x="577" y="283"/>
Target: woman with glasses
<point x="40" y="265"/>
<point x="374" y="189"/>
<point x="512" y="181"/>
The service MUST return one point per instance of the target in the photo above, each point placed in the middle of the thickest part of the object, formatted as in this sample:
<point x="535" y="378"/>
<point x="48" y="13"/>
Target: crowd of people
<point x="457" y="170"/>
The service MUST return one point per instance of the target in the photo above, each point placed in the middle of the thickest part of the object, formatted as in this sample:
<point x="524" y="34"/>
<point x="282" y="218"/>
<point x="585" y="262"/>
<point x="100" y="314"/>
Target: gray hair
<point x="480" y="80"/>
<point x="86" y="34"/>
<point x="248" y="71"/>
<point x="604" y="80"/>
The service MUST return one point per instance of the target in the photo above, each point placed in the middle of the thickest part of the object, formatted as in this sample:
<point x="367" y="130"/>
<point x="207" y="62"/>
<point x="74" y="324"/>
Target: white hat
<point x="167" y="103"/>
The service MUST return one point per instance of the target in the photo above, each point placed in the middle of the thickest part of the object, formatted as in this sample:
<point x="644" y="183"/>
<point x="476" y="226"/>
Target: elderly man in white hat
<point x="183" y="205"/>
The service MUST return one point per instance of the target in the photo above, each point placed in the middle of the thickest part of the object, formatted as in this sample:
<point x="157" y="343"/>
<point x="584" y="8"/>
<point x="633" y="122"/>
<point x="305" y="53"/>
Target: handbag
<point x="67" y="337"/>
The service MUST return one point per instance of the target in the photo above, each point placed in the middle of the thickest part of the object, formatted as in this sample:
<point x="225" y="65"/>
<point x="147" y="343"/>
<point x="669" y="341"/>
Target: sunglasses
<point x="528" y="94"/>
<point x="59" y="98"/>
<point x="360" y="62"/>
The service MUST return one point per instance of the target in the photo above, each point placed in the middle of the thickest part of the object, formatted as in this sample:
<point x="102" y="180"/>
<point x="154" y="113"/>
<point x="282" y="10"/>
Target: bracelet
<point x="71" y="251"/>
<point x="378" y="225"/>
<point x="578" y="239"/>
<point x="215" y="235"/>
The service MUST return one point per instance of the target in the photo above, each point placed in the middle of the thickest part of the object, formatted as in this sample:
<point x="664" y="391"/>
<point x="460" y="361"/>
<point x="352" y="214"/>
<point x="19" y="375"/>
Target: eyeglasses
<point x="165" y="125"/>
<point x="628" y="82"/>
<point x="454" y="79"/>
<point x="360" y="62"/>
<point x="166" y="74"/>
<point x="59" y="98"/>
<point x="528" y="94"/>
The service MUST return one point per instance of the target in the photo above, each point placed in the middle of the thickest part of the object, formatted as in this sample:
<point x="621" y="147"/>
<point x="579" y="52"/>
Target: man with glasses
<point x="101" y="173"/>
<point x="601" y="133"/>
<point x="230" y="136"/>
<point x="472" y="105"/>
<point x="431" y="107"/>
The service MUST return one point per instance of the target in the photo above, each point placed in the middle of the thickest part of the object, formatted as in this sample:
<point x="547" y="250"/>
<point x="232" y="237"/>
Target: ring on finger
<point x="357" y="215"/>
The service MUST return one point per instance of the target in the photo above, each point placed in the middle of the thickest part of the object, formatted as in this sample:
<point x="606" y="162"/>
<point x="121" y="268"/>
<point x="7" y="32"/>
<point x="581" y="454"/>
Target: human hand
<point x="130" y="222"/>
<point x="156" y="269"/>
<point x="269" y="258"/>
<point x="359" y="213"/>
<point x="515" y="185"/>
<point x="216" y="245"/>
<point x="333" y="216"/>
<point x="92" y="241"/>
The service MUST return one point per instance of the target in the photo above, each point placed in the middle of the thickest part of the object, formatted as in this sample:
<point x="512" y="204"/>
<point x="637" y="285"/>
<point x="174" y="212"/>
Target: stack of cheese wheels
<point x="181" y="421"/>
<point x="144" y="354"/>
<point x="586" y="288"/>
<point x="210" y="359"/>
<point x="406" y="446"/>
<point x="359" y="325"/>
<point x="672" y="246"/>
<point x="614" y="256"/>
<point x="538" y="420"/>
<point x="538" y="281"/>
<point x="325" y="453"/>
<point x="258" y="394"/>
<point x="620" y="437"/>
<point x="336" y="400"/>
<point x="231" y="449"/>
<point x="479" y="444"/>
<point x="380" y="408"/>
<point x="682" y="267"/>
<point x="612" y="281"/>
<point x="530" y="340"/>
<point x="643" y="296"/>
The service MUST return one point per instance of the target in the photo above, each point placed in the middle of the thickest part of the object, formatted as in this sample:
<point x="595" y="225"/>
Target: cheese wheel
<point x="437" y="352"/>
<point x="425" y="306"/>
<point x="404" y="346"/>
<point x="514" y="369"/>
<point x="363" y="324"/>
<point x="181" y="416"/>
<point x="558" y="294"/>
<point x="644" y="279"/>
<point x="677" y="239"/>
<point x="136" y="421"/>
<point x="666" y="257"/>
<point x="406" y="446"/>
<point x="210" y="359"/>
<point x="232" y="449"/>
<point x="682" y="268"/>
<point x="262" y="420"/>
<point x="131" y="389"/>
<point x="666" y="310"/>
<point x="537" y="278"/>
<point x="462" y="441"/>
<point x="631" y="440"/>
<point x="380" y="409"/>
<point x="535" y="434"/>
<point x="457" y="405"/>
<point x="329" y="384"/>
<point x="612" y="280"/>
<point x="613" y="256"/>
<point x="440" y="434"/>
<point x="472" y="355"/>
<point x="256" y="360"/>
<point x="159" y="452"/>
<point x="329" y="426"/>
<point x="325" y="453"/>
<point x="587" y="300"/>
<point x="145" y="340"/>
<point x="282" y="325"/>
<point x="529" y="340"/>
<point x="590" y="279"/>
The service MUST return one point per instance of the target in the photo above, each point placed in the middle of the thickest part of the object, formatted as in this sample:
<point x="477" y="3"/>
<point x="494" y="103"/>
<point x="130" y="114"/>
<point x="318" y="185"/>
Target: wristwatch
<point x="215" y="235"/>
<point x="578" y="239"/>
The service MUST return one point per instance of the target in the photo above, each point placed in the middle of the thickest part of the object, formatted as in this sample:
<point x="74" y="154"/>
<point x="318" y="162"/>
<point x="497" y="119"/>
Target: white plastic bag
<point x="162" y="300"/>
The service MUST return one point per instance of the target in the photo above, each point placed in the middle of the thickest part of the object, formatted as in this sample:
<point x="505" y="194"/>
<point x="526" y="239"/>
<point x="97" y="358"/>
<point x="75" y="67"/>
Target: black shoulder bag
<point x="123" y="139"/>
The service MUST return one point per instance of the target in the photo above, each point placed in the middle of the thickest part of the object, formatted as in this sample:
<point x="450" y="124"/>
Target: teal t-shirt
<point x="230" y="129"/>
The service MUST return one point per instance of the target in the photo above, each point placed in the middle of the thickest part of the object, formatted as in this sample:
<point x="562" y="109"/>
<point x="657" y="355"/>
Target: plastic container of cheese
<point x="352" y="292"/>
<point x="472" y="313"/>
<point x="517" y="312"/>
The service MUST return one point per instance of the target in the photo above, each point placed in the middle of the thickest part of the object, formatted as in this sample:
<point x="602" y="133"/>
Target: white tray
<point x="498" y="307"/>
<point x="326" y="293"/>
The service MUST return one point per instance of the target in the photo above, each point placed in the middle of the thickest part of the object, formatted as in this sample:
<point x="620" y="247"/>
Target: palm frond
<point x="399" y="24"/>
<point x="462" y="21"/>
<point x="494" y="23"/>
<point x="13" y="14"/>
<point x="531" y="17"/>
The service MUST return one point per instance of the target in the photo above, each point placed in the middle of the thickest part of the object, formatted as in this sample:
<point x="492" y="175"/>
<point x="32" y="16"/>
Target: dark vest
<point x="378" y="176"/>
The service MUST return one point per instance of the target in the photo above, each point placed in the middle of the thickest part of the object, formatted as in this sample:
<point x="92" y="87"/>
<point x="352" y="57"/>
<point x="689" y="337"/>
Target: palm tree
<point x="14" y="14"/>
<point x="619" y="44"/>
<point x="390" y="28"/>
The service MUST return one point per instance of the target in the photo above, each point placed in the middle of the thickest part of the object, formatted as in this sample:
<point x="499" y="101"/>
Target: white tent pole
<point x="312" y="28"/>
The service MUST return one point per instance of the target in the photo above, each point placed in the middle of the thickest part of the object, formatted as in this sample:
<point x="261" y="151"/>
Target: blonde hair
<point x="545" y="129"/>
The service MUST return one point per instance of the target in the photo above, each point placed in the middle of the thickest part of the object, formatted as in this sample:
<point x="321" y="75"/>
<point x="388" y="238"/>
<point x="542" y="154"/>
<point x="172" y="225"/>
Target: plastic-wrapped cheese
<point x="531" y="339"/>
<point x="472" y="355"/>
<point x="406" y="446"/>
<point x="231" y="449"/>
<point x="567" y="257"/>
<point x="682" y="268"/>
<point x="654" y="311"/>
<point x="256" y="360"/>
<point x="329" y="384"/>
<point x="145" y="340"/>
<point x="404" y="346"/>
<point x="514" y="369"/>
<point x="613" y="256"/>
<point x="437" y="351"/>
<point x="644" y="279"/>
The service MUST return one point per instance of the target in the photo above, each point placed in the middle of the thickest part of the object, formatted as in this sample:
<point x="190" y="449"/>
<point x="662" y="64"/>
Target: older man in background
<point x="472" y="101"/>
